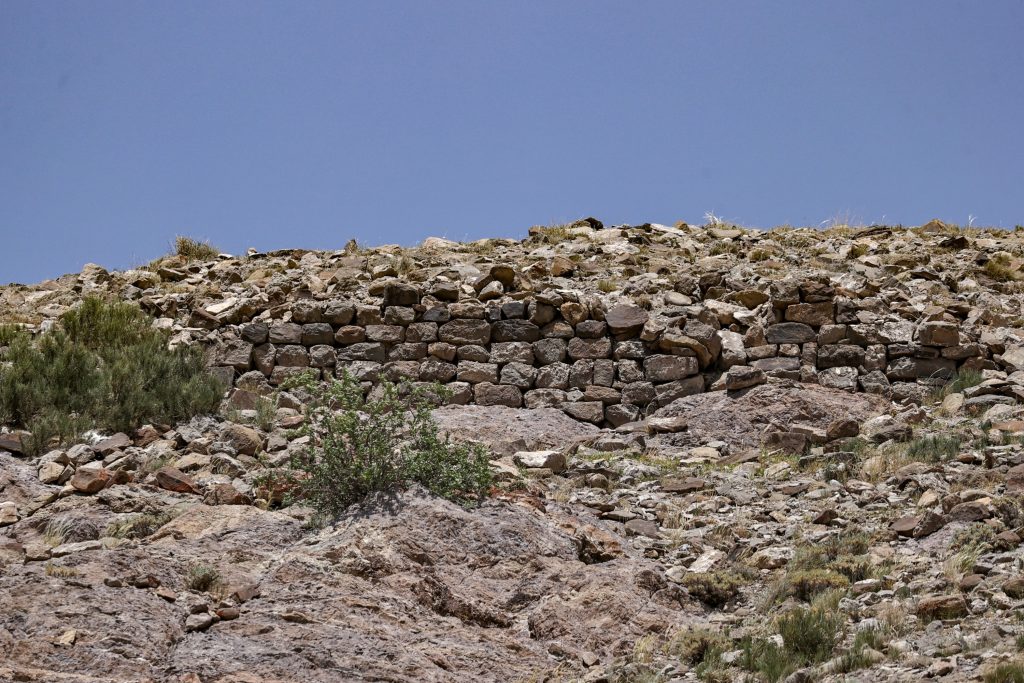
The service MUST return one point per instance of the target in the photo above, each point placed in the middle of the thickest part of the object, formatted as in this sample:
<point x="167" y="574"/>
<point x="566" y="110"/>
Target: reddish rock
<point x="117" y="442"/>
<point x="929" y="523"/>
<point x="970" y="582"/>
<point x="174" y="480"/>
<point x="226" y="494"/>
<point x="971" y="511"/>
<point x="1014" y="587"/>
<point x="1015" y="479"/>
<point x="90" y="480"/>
<point x="942" y="607"/>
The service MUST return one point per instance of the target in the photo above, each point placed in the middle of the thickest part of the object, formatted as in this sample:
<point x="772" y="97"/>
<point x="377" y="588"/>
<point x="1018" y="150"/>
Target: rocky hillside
<point x="721" y="454"/>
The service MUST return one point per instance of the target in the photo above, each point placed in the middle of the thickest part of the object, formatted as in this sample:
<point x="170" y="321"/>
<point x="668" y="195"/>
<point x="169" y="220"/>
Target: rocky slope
<point x="696" y="429"/>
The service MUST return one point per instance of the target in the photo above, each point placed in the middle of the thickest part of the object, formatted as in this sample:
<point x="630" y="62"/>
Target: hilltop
<point x="717" y="452"/>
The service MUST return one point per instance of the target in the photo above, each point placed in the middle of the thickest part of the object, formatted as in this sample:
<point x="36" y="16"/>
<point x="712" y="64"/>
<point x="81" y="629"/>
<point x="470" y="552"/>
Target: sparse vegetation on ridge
<point x="194" y="250"/>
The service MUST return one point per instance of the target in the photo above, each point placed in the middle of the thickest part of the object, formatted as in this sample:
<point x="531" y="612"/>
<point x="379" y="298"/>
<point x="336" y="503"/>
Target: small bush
<point x="766" y="658"/>
<point x="8" y="333"/>
<point x="555" y="234"/>
<point x="810" y="633"/>
<point x="360" y="446"/>
<point x="607" y="286"/>
<point x="105" y="367"/>
<point x="202" y="577"/>
<point x="193" y="250"/>
<point x="695" y="646"/>
<point x="854" y="567"/>
<point x="1007" y="672"/>
<point x="713" y="588"/>
<point x="1000" y="267"/>
<point x="964" y="379"/>
<point x="808" y="583"/>
<point x="933" y="448"/>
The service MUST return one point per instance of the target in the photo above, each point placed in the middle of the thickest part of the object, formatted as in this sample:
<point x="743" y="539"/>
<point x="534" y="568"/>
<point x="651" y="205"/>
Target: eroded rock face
<point x="507" y="430"/>
<point x="410" y="589"/>
<point x="742" y="418"/>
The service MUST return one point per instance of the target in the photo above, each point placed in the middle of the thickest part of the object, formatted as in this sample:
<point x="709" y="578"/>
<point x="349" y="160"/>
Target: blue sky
<point x="303" y="124"/>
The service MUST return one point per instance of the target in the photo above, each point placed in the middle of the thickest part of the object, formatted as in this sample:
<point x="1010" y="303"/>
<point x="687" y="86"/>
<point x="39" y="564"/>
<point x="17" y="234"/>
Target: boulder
<point x="91" y="479"/>
<point x="625" y="320"/>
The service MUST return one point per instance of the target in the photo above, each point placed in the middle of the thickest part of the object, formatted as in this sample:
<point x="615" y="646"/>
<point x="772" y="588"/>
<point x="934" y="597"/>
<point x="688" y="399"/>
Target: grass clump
<point x="807" y="584"/>
<point x="103" y="367"/>
<point x="360" y="447"/>
<point x="1007" y="672"/>
<point x="697" y="646"/>
<point x="714" y="589"/>
<point x="57" y="531"/>
<point x="59" y="571"/>
<point x="1000" y="268"/>
<point x="194" y="250"/>
<point x="202" y="577"/>
<point x="808" y="634"/>
<point x="140" y="525"/>
<point x="933" y="448"/>
<point x="965" y="378"/>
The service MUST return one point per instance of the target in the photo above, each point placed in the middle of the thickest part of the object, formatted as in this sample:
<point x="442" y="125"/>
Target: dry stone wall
<point x="605" y="366"/>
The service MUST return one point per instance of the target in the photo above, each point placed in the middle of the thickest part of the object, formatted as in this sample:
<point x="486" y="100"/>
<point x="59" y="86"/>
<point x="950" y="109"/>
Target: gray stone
<point x="487" y="394"/>
<point x="589" y="348"/>
<point x="663" y="368"/>
<point x="465" y="331"/>
<point x="790" y="333"/>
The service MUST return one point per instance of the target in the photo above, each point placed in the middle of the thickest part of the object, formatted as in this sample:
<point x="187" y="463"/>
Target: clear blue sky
<point x="303" y="124"/>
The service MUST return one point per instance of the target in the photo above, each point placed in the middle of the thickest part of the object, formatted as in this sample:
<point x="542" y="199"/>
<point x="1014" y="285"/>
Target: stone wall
<point x="604" y="366"/>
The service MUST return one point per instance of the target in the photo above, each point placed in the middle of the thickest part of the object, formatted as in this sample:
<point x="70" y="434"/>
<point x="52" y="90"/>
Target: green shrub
<point x="766" y="658"/>
<point x="193" y="250"/>
<point x="106" y="367"/>
<point x="8" y="333"/>
<point x="964" y="379"/>
<point x="713" y="588"/>
<point x="933" y="448"/>
<point x="360" y="446"/>
<point x="810" y="633"/>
